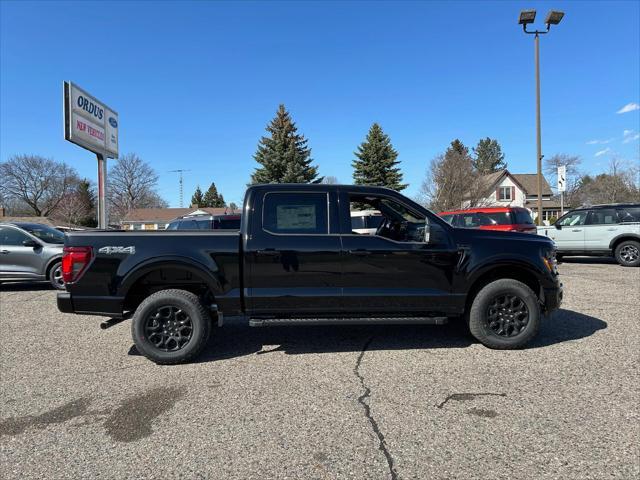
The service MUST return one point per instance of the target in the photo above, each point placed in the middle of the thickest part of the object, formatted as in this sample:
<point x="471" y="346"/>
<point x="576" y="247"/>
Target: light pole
<point x="553" y="18"/>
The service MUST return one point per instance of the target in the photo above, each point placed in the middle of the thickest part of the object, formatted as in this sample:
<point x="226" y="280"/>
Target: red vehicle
<point x="506" y="219"/>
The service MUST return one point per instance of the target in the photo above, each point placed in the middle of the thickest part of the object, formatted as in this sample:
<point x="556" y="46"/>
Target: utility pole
<point x="180" y="181"/>
<point x="553" y="18"/>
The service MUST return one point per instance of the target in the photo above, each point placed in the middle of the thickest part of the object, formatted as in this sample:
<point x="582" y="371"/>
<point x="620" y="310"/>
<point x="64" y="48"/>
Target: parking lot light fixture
<point x="553" y="18"/>
<point x="527" y="16"/>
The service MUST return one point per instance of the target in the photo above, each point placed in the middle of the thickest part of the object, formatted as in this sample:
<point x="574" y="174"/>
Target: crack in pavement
<point x="367" y="411"/>
<point x="469" y="396"/>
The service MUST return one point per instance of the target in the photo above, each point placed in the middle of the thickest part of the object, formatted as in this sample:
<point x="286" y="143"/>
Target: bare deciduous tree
<point x="41" y="183"/>
<point x="621" y="184"/>
<point x="132" y="184"/>
<point x="452" y="181"/>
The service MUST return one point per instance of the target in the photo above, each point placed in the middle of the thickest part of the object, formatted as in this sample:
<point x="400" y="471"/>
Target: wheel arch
<point x="164" y="274"/>
<point x="621" y="238"/>
<point x="50" y="263"/>
<point x="521" y="273"/>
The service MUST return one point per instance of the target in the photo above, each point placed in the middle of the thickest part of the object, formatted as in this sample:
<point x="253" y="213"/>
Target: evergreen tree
<point x="376" y="162"/>
<point x="488" y="156"/>
<point x="212" y="198"/>
<point x="284" y="155"/>
<point x="197" y="199"/>
<point x="87" y="198"/>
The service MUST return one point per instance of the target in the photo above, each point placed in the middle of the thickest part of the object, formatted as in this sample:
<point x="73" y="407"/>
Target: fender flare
<point x="621" y="236"/>
<point x="148" y="266"/>
<point x="521" y="264"/>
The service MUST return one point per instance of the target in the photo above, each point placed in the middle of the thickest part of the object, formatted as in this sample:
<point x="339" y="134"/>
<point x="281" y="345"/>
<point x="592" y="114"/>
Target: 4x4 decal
<point x="117" y="249"/>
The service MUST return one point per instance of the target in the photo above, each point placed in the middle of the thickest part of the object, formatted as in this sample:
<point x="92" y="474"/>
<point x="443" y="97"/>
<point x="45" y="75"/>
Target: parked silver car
<point x="31" y="251"/>
<point x="610" y="230"/>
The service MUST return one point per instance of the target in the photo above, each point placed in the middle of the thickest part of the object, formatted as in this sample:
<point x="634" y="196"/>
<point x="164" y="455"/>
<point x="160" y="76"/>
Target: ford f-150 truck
<point x="297" y="261"/>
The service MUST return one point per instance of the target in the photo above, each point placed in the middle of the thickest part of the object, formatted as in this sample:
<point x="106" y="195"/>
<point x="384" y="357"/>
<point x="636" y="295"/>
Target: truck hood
<point x="468" y="235"/>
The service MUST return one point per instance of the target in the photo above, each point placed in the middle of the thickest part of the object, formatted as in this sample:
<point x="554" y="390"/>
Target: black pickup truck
<point x="297" y="261"/>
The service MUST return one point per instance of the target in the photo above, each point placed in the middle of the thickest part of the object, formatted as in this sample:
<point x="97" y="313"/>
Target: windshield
<point x="45" y="233"/>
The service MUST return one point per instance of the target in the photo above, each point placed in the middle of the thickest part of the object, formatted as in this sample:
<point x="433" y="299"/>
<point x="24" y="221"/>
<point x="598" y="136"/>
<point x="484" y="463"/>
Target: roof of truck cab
<point x="321" y="187"/>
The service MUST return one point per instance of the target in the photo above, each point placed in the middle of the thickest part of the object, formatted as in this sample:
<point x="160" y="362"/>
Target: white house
<point x="504" y="189"/>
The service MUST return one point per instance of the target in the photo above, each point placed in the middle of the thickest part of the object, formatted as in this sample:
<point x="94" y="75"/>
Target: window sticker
<point x="289" y="217"/>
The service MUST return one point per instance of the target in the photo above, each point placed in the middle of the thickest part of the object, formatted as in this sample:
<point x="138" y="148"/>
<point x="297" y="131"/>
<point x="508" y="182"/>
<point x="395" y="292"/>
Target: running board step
<point x="268" y="322"/>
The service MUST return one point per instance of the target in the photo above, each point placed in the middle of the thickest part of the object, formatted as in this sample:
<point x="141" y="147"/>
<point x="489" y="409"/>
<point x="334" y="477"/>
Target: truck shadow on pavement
<point x="237" y="339"/>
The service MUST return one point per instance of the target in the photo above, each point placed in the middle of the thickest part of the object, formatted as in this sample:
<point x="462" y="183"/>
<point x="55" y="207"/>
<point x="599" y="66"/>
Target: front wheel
<point x="505" y="315"/>
<point x="628" y="253"/>
<point x="171" y="326"/>
<point x="55" y="276"/>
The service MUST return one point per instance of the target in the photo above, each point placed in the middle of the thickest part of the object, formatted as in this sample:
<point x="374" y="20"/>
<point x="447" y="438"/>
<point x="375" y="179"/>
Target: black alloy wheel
<point x="507" y="315"/>
<point x="169" y="328"/>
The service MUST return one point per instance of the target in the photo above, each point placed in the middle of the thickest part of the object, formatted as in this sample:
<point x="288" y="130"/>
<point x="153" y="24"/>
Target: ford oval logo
<point x="113" y="122"/>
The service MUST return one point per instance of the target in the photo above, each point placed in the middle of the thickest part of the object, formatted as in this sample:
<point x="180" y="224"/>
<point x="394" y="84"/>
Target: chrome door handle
<point x="611" y="229"/>
<point x="577" y="230"/>
<point x="4" y="251"/>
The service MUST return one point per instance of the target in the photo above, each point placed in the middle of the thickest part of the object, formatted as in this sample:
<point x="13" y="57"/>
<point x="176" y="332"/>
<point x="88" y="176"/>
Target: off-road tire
<point x="55" y="276"/>
<point x="184" y="301"/>
<point x="479" y="323"/>
<point x="628" y="253"/>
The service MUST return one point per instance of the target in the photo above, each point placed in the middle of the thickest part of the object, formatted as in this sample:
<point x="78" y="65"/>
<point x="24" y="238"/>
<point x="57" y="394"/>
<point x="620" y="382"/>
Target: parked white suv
<point x="599" y="230"/>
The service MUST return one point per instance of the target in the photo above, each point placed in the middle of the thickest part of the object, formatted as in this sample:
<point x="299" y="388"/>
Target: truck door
<point x="292" y="253"/>
<point x="395" y="271"/>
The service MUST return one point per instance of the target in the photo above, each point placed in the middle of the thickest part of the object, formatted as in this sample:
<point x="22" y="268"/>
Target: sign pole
<point x="91" y="124"/>
<point x="561" y="203"/>
<point x="102" y="184"/>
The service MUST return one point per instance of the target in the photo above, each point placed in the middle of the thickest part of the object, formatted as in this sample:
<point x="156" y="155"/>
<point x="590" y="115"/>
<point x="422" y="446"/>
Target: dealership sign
<point x="89" y="122"/>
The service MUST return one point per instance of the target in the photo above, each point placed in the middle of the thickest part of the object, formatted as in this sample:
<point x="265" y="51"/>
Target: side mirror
<point x="30" y="243"/>
<point x="558" y="226"/>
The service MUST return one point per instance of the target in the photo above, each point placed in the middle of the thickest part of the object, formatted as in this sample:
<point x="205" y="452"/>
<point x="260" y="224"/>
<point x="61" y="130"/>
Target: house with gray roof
<point x="505" y="189"/>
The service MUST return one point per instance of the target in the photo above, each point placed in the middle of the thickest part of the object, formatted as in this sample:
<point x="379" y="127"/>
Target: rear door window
<point x="523" y="217"/>
<point x="474" y="220"/>
<point x="203" y="223"/>
<point x="602" y="216"/>
<point x="499" y="218"/>
<point x="295" y="213"/>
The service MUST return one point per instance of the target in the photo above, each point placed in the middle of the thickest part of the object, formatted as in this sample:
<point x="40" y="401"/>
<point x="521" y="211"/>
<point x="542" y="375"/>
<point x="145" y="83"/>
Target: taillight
<point x="74" y="261"/>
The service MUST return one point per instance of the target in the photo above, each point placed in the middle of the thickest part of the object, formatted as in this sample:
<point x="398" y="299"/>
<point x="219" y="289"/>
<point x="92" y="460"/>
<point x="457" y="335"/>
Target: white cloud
<point x="629" y="136"/>
<point x="599" y="142"/>
<point x="602" y="152"/>
<point x="629" y="107"/>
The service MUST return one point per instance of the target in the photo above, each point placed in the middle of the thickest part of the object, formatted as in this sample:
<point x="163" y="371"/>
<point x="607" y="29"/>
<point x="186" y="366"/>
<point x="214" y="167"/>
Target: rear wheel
<point x="505" y="314"/>
<point x="55" y="276"/>
<point x="628" y="253"/>
<point x="171" y="326"/>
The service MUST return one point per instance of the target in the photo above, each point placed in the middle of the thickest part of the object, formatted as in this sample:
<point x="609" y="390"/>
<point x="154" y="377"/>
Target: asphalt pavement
<point x="350" y="402"/>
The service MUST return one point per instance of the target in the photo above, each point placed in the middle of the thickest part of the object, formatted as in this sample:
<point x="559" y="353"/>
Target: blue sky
<point x="195" y="83"/>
